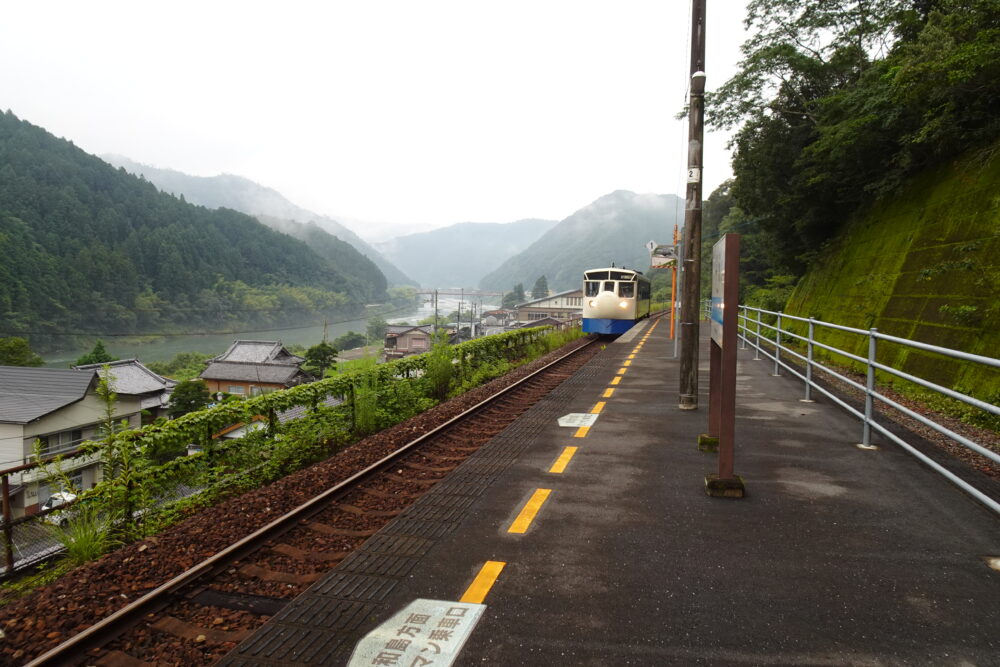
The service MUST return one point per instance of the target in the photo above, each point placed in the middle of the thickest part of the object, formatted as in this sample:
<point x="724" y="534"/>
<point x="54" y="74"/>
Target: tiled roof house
<point x="251" y="367"/>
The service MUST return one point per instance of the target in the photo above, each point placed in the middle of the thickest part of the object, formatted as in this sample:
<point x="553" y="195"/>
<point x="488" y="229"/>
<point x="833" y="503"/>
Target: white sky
<point x="425" y="113"/>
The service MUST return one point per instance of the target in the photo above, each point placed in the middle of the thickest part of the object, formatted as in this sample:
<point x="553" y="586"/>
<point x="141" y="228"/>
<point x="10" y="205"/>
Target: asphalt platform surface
<point x="836" y="556"/>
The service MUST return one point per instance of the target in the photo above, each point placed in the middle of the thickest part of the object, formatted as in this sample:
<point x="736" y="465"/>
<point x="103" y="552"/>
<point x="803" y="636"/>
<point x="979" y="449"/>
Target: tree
<point x="320" y="357"/>
<point x="188" y="396"/>
<point x="16" y="352"/>
<point x="514" y="297"/>
<point x="350" y="340"/>
<point x="98" y="355"/>
<point x="376" y="329"/>
<point x="541" y="288"/>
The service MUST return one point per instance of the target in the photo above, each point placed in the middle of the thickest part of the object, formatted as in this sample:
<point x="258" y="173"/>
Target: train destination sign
<point x="578" y="419"/>
<point x="426" y="632"/>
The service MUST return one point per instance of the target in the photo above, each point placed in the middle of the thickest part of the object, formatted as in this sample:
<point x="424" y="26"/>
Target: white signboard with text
<point x="426" y="632"/>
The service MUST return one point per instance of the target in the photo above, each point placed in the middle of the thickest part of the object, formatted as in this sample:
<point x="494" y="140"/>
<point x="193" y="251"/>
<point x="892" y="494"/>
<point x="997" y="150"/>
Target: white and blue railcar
<point x="614" y="299"/>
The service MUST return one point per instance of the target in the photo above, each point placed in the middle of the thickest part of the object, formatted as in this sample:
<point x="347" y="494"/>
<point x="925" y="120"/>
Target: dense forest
<point x="87" y="248"/>
<point x="839" y="104"/>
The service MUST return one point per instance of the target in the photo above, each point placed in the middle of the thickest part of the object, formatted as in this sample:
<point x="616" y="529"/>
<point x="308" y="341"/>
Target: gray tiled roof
<point x="546" y="298"/>
<point x="249" y="372"/>
<point x="258" y="352"/>
<point x="129" y="376"/>
<point x="403" y="328"/>
<point x="27" y="394"/>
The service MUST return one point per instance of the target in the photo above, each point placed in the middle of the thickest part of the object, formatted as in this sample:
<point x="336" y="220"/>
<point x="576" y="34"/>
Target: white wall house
<point x="59" y="408"/>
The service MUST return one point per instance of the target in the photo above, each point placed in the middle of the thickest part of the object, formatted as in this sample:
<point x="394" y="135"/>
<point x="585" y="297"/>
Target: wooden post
<point x="691" y="287"/>
<point x="8" y="529"/>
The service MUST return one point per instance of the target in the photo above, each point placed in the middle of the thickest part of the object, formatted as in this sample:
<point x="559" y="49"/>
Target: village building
<point x="405" y="340"/>
<point x="566" y="305"/>
<point x="254" y="367"/>
<point x="59" y="409"/>
<point x="129" y="377"/>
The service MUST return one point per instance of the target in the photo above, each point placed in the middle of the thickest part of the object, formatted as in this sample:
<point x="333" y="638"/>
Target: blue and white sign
<point x="718" y="289"/>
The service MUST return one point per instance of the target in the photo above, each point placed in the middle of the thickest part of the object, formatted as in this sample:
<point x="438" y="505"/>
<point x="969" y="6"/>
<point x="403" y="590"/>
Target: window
<point x="626" y="290"/>
<point x="58" y="443"/>
<point x="418" y="343"/>
<point x="609" y="286"/>
<point x="597" y="275"/>
<point x="256" y="391"/>
<point x="620" y="275"/>
<point x="236" y="389"/>
<point x="592" y="287"/>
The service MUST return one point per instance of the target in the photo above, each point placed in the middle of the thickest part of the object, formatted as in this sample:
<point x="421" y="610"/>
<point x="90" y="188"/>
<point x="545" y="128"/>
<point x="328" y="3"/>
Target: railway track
<point x="196" y="615"/>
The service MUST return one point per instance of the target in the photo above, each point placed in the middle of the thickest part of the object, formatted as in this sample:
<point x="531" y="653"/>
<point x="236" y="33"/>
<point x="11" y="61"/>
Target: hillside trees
<point x="90" y="249"/>
<point x="541" y="288"/>
<point x="840" y="102"/>
<point x="17" y="352"/>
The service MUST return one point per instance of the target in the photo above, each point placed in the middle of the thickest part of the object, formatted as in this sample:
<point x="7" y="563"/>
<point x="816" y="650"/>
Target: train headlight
<point x="623" y="304"/>
<point x="591" y="303"/>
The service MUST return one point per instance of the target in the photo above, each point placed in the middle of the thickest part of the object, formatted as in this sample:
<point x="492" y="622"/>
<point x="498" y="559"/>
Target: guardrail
<point x="767" y="338"/>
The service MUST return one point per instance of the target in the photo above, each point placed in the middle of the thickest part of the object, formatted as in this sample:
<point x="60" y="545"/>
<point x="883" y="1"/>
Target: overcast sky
<point x="425" y="113"/>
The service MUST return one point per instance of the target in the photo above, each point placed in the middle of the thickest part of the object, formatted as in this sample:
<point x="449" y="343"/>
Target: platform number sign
<point x="694" y="175"/>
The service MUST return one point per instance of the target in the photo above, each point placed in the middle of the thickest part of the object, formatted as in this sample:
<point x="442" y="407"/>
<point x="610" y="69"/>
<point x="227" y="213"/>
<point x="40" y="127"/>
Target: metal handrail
<point x="758" y="334"/>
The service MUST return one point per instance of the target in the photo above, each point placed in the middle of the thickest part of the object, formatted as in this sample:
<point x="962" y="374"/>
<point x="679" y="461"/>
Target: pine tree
<point x="541" y="288"/>
<point x="98" y="355"/>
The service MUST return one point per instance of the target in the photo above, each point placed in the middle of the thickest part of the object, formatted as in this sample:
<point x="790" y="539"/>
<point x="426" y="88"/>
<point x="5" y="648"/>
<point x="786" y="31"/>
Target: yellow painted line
<point x="608" y="393"/>
<point x="529" y="511"/>
<point x="563" y="460"/>
<point x="481" y="585"/>
<point x="596" y="410"/>
<point x="627" y="362"/>
<point x="621" y="371"/>
<point x="582" y="432"/>
<point x="616" y="379"/>
<point x="631" y="356"/>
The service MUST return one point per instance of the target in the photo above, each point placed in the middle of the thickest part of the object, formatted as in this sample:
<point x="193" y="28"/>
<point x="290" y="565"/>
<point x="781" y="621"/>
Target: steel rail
<point x="112" y="626"/>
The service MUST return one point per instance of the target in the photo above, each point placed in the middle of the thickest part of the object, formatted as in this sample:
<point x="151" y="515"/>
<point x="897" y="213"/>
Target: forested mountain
<point x="340" y="253"/>
<point x="242" y="194"/>
<point x="615" y="228"/>
<point x="460" y="255"/>
<point x="85" y="247"/>
<point x="843" y="103"/>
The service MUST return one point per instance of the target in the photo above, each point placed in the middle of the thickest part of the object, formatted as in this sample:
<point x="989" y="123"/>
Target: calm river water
<point x="167" y="347"/>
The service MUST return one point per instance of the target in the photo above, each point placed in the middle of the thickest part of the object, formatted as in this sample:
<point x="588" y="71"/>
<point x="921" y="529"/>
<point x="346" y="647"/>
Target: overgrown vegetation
<point x="842" y="103"/>
<point x="139" y="495"/>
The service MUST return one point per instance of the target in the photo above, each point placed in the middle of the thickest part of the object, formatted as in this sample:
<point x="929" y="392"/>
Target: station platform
<point x="613" y="554"/>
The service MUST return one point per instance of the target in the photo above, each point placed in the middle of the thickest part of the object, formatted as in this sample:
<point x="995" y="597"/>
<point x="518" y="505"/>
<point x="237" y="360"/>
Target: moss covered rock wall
<point x="923" y="265"/>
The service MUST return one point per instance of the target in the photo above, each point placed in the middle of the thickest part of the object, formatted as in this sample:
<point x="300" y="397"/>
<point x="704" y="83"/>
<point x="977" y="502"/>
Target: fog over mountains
<point x="242" y="194"/>
<point x="459" y="255"/>
<point x="494" y="256"/>
<point x="614" y="228"/>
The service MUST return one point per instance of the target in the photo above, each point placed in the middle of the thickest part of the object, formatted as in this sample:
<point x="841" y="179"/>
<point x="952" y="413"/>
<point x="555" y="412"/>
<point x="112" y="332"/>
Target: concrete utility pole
<point x="691" y="284"/>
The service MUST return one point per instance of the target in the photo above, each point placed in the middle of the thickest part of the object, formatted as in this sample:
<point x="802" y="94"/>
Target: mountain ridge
<point x="247" y="196"/>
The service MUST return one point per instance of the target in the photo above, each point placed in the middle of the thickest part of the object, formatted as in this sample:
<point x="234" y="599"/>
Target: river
<point x="167" y="347"/>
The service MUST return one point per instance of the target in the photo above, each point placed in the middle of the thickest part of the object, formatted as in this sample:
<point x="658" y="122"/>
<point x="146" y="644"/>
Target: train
<point x="614" y="299"/>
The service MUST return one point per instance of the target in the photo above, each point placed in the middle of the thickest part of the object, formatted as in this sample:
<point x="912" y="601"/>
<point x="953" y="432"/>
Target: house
<point x="252" y="367"/>
<point x="404" y="340"/>
<point x="562" y="306"/>
<point x="130" y="378"/>
<point x="60" y="409"/>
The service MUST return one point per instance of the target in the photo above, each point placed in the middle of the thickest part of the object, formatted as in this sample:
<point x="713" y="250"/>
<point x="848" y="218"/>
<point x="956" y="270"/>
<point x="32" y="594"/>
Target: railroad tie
<point x="407" y="480"/>
<point x="308" y="556"/>
<point x="184" y="630"/>
<point x="327" y="529"/>
<point x="354" y="509"/>
<point x="265" y="574"/>
<point x="121" y="659"/>
<point x="423" y="468"/>
<point x="375" y="493"/>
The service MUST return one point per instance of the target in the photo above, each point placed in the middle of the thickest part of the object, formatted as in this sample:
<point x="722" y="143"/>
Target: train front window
<point x="593" y="287"/>
<point x="609" y="286"/>
<point x="626" y="290"/>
